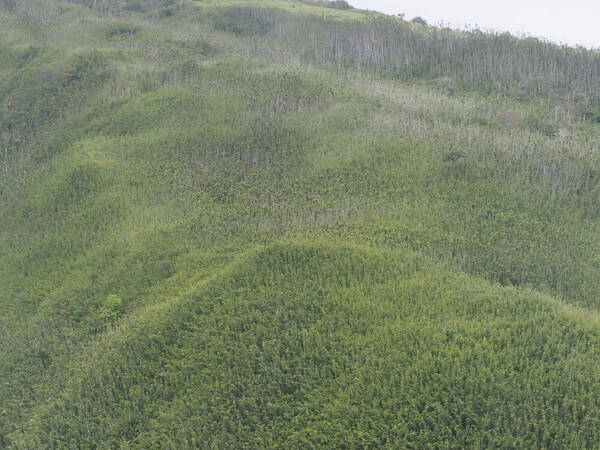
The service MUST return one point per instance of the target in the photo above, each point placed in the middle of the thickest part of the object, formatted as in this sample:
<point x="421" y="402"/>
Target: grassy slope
<point x="321" y="345"/>
<point x="290" y="6"/>
<point x="126" y="211"/>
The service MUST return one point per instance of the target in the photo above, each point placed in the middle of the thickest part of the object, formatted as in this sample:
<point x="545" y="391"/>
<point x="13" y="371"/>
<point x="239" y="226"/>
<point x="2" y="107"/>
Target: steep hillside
<point x="299" y="345"/>
<point x="165" y="165"/>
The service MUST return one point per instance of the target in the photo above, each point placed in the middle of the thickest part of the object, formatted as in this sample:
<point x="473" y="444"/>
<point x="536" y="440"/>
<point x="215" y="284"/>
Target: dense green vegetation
<point x="271" y="223"/>
<point x="316" y="345"/>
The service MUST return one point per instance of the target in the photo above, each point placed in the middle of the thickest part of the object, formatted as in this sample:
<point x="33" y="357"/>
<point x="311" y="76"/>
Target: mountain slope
<point x="162" y="160"/>
<point x="326" y="346"/>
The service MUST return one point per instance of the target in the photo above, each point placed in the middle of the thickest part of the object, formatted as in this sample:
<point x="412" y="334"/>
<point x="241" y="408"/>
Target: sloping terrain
<point x="323" y="346"/>
<point x="218" y="231"/>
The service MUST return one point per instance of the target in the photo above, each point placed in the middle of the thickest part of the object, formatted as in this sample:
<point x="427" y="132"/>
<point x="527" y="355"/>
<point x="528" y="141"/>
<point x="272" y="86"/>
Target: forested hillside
<point x="285" y="224"/>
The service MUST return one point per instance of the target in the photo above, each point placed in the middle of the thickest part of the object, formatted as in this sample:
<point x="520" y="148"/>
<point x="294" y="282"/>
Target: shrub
<point x="110" y="308"/>
<point x="134" y="7"/>
<point x="122" y="29"/>
<point x="165" y="13"/>
<point x="245" y="21"/>
<point x="454" y="156"/>
<point x="339" y="4"/>
<point x="592" y="113"/>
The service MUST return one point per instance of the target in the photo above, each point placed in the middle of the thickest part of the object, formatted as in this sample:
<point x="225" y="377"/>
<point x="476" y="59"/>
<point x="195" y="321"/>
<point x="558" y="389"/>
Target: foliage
<point x="493" y="63"/>
<point x="329" y="346"/>
<point x="592" y="113"/>
<point x="453" y="155"/>
<point x="338" y="4"/>
<point x="245" y="21"/>
<point x="110" y="308"/>
<point x="314" y="238"/>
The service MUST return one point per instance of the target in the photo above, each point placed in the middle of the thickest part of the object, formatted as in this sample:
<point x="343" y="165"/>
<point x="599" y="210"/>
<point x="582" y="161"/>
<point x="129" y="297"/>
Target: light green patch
<point x="294" y="6"/>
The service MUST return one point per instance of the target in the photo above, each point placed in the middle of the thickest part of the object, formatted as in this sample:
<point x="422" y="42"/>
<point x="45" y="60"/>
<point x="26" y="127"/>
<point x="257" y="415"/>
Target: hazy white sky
<point x="575" y="22"/>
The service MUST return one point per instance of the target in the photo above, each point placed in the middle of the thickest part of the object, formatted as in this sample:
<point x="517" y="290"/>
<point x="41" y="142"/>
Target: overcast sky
<point x="575" y="22"/>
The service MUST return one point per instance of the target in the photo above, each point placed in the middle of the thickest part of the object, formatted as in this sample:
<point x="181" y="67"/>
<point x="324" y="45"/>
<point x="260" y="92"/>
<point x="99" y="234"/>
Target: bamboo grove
<point x="285" y="224"/>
